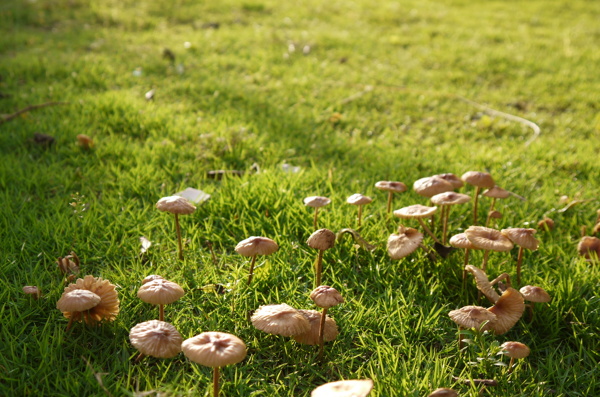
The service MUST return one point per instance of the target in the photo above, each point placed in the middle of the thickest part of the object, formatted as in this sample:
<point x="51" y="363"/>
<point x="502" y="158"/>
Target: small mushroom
<point x="445" y="200"/>
<point x="344" y="388"/>
<point x="156" y="338"/>
<point x="418" y="212"/>
<point x="311" y="337"/>
<point x="77" y="302"/>
<point x="488" y="239"/>
<point x="280" y="319"/>
<point x="316" y="202"/>
<point x="391" y="188"/>
<point x="494" y="193"/>
<point x="160" y="292"/>
<point x="479" y="180"/>
<point x="177" y="206"/>
<point x="403" y="243"/>
<point x="468" y="317"/>
<point x="546" y="224"/>
<point x="444" y="392"/>
<point x="534" y="294"/>
<point x="514" y="350"/>
<point x="325" y="297"/>
<point x="359" y="200"/>
<point x="432" y="185"/>
<point x="455" y="181"/>
<point x="253" y="246"/>
<point x="321" y="240"/>
<point x="85" y="141"/>
<point x="525" y="240"/>
<point x="33" y="291"/>
<point x="589" y="248"/>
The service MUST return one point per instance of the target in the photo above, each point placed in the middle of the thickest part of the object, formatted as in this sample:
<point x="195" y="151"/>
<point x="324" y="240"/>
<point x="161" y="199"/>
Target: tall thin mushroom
<point x="445" y="200"/>
<point x="494" y="193"/>
<point x="391" y="188"/>
<point x="316" y="202"/>
<point x="253" y="246"/>
<point x="479" y="180"/>
<point x="460" y="240"/>
<point x="177" y="206"/>
<point x="325" y="297"/>
<point x="321" y="240"/>
<point x="359" y="200"/>
<point x="524" y="239"/>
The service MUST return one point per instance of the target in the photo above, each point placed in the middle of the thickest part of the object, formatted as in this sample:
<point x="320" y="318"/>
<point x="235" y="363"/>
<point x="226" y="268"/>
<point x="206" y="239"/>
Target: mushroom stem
<point x="322" y="333"/>
<point x="486" y="254"/>
<point x="464" y="278"/>
<point x="475" y="198"/>
<point x="519" y="261"/>
<point x="512" y="360"/>
<point x="178" y="229"/>
<point x="216" y="382"/>
<point x="445" y="216"/>
<point x="460" y="342"/>
<point x="359" y="214"/>
<point x="315" y="218"/>
<point x="319" y="268"/>
<point x="487" y="220"/>
<point x="529" y="307"/>
<point x="389" y="201"/>
<point x="503" y="276"/>
<point x="139" y="357"/>
<point x="161" y="312"/>
<point x="424" y="226"/>
<point x="251" y="274"/>
<point x="71" y="320"/>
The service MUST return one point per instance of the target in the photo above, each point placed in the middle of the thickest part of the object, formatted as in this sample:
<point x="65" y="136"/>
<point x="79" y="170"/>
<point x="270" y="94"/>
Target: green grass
<point x="247" y="93"/>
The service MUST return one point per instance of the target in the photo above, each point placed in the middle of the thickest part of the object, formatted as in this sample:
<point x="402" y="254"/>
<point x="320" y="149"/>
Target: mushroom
<point x="316" y="202"/>
<point x="455" y="181"/>
<point x="534" y="294"/>
<point x="405" y="242"/>
<point x="253" y="246"/>
<point x="468" y="317"/>
<point x="391" y="188"/>
<point x="177" y="206"/>
<point x="156" y="338"/>
<point x="445" y="200"/>
<point x="444" y="392"/>
<point x="344" y="388"/>
<point x="479" y="180"/>
<point x="461" y="241"/>
<point x="488" y="239"/>
<point x="589" y="248"/>
<point x="321" y="240"/>
<point x="214" y="349"/>
<point x="494" y="193"/>
<point x="359" y="200"/>
<point x="484" y="285"/>
<point x="325" y="297"/>
<point x="311" y="337"/>
<point x="77" y="302"/>
<point x="160" y="292"/>
<point x="418" y="212"/>
<point x="432" y="185"/>
<point x="280" y="320"/>
<point x="514" y="350"/>
<point x="546" y="224"/>
<point x="508" y="310"/>
<point x="525" y="240"/>
<point x="33" y="291"/>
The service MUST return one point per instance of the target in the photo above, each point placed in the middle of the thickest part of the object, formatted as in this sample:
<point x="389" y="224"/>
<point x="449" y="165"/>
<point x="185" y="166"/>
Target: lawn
<point x="294" y="99"/>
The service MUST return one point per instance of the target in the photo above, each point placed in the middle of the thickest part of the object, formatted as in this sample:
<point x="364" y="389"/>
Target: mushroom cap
<point x="311" y="337"/>
<point x="508" y="310"/>
<point x="488" y="239"/>
<point x="107" y="309"/>
<point x="152" y="277"/>
<point x="160" y="292"/>
<point x="344" y="388"/>
<point x="495" y="214"/>
<point x="588" y="247"/>
<point x="316" y="201"/>
<point x="497" y="192"/>
<point x="460" y="240"/>
<point x="78" y="300"/>
<point x="431" y="185"/>
<point x="535" y="294"/>
<point x="326" y="296"/>
<point x="479" y="179"/>
<point x="453" y="179"/>
<point x="358" y="199"/>
<point x="546" y="224"/>
<point x="444" y="392"/>
<point x="256" y="245"/>
<point x="321" y="239"/>
<point x="450" y="198"/>
<point x="404" y="243"/>
<point x="471" y="316"/>
<point x="415" y="211"/>
<point x="156" y="338"/>
<point x="515" y="349"/>
<point x="214" y="349"/>
<point x="280" y="320"/>
<point x="522" y="237"/>
<point x="175" y="205"/>
<point x="390" y="186"/>
<point x="483" y="284"/>
<point x="32" y="290"/>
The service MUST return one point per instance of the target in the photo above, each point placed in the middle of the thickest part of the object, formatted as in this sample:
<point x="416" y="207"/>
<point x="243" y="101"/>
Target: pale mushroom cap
<point x="483" y="284"/>
<point x="358" y="199"/>
<point x="311" y="337"/>
<point x="326" y="296"/>
<point x="488" y="239"/>
<point x="588" y="246"/>
<point x="321" y="239"/>
<point x="444" y="392"/>
<point x="280" y="320"/>
<point x="32" y="290"/>
<point x="431" y="185"/>
<point x="390" y="186"/>
<point x="344" y="388"/>
<point x="214" y="349"/>
<point x="316" y="201"/>
<point x="453" y="179"/>
<point x="256" y="245"/>
<point x="460" y="240"/>
<point x="175" y="205"/>
<point x="160" y="292"/>
<point x="479" y="179"/>
<point x="152" y="277"/>
<point x="156" y="338"/>
<point x="415" y="211"/>
<point x="404" y="243"/>
<point x="535" y="294"/>
<point x="515" y="349"/>
<point x="107" y="309"/>
<point x="77" y="300"/>
<point x="508" y="310"/>
<point x="471" y="316"/>
<point x="522" y="237"/>
<point x="497" y="192"/>
<point x="450" y="198"/>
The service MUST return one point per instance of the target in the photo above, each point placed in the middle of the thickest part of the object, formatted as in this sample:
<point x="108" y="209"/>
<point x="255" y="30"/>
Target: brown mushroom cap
<point x="488" y="239"/>
<point x="515" y="349"/>
<point x="479" y="179"/>
<point x="156" y="338"/>
<point x="321" y="239"/>
<point x="316" y="201"/>
<point x="214" y="349"/>
<point x="450" y="198"/>
<point x="389" y="186"/>
<point x="256" y="245"/>
<point x="344" y="388"/>
<point x="160" y="292"/>
<point x="546" y="224"/>
<point x="483" y="284"/>
<point x="107" y="309"/>
<point x="326" y="296"/>
<point x="311" y="337"/>
<point x="404" y="243"/>
<point x="589" y="247"/>
<point x="508" y="310"/>
<point x="456" y="182"/>
<point x="32" y="290"/>
<point x="522" y="237"/>
<point x="535" y="294"/>
<point x="444" y="392"/>
<point x="415" y="211"/>
<point x="471" y="316"/>
<point x="78" y="300"/>
<point x="460" y="240"/>
<point x="497" y="192"/>
<point x="431" y="185"/>
<point x="358" y="199"/>
<point x="280" y="320"/>
<point x="175" y="205"/>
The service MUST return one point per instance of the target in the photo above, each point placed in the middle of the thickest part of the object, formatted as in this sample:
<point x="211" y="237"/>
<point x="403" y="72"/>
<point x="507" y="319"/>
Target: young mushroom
<point x="155" y="338"/>
<point x="534" y="294"/>
<point x="214" y="349"/>
<point x="359" y="200"/>
<point x="325" y="297"/>
<point x="34" y="291"/>
<point x="514" y="350"/>
<point x="494" y="193"/>
<point x="280" y="319"/>
<point x="177" y="206"/>
<point x="525" y="240"/>
<point x="321" y="240"/>
<point x="479" y="180"/>
<point x="160" y="292"/>
<point x="344" y="388"/>
<point x="253" y="246"/>
<point x="391" y="188"/>
<point x="316" y="202"/>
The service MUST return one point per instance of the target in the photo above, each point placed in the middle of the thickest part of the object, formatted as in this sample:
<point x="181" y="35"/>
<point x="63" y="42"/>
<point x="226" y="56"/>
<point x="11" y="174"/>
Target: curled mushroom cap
<point x="444" y="392"/>
<point x="107" y="309"/>
<point x="311" y="337"/>
<point x="358" y="199"/>
<point x="515" y="349"/>
<point x="479" y="179"/>
<point x="508" y="310"/>
<point x="589" y="247"/>
<point x="256" y="245"/>
<point x="415" y="211"/>
<point x="460" y="240"/>
<point x="321" y="239"/>
<point x="404" y="243"/>
<point x="535" y="294"/>
<point x="326" y="296"/>
<point x="431" y="185"/>
<point x="316" y="201"/>
<point x="389" y="186"/>
<point x="522" y="237"/>
<point x="488" y="239"/>
<point x="471" y="316"/>
<point x="497" y="192"/>
<point x="160" y="292"/>
<point x="450" y="198"/>
<point x="280" y="320"/>
<point x="156" y="338"/>
<point x="175" y="205"/>
<point x="78" y="300"/>
<point x="456" y="182"/>
<point x="214" y="349"/>
<point x="483" y="284"/>
<point x="344" y="388"/>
